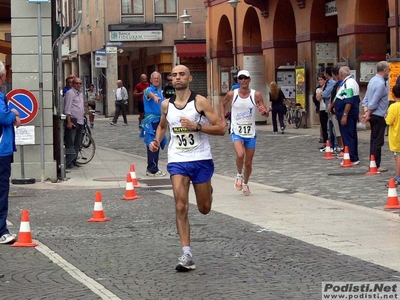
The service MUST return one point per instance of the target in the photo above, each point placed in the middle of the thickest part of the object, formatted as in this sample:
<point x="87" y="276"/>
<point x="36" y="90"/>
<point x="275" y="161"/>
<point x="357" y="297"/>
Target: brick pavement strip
<point x="133" y="256"/>
<point x="290" y="161"/>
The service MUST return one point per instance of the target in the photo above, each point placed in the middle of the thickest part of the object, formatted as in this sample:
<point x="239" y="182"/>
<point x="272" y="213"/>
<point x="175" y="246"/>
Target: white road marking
<point x="298" y="136"/>
<point x="93" y="285"/>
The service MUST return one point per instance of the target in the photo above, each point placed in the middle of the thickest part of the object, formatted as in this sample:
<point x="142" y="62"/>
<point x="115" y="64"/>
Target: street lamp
<point x="186" y="22"/>
<point x="234" y="3"/>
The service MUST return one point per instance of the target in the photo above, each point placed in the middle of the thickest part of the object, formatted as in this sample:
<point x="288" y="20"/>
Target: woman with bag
<point x="277" y="106"/>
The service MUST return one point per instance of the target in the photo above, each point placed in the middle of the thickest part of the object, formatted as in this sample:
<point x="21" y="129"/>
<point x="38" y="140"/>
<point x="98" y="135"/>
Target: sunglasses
<point x="77" y="82"/>
<point x="243" y="77"/>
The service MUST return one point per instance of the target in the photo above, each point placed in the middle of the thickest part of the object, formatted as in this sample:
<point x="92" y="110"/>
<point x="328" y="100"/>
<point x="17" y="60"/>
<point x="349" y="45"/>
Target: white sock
<point x="240" y="175"/>
<point x="186" y="250"/>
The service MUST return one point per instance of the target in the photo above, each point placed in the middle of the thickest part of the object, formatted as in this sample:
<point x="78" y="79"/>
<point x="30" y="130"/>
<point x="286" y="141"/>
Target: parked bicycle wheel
<point x="88" y="148"/>
<point x="289" y="117"/>
<point x="86" y="140"/>
<point x="297" y="118"/>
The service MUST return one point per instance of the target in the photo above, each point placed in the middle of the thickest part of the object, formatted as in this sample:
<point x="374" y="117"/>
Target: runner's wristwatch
<point x="198" y="127"/>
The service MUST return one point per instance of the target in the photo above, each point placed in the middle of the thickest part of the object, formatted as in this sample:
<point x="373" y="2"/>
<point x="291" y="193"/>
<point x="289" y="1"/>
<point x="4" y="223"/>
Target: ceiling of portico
<point x="5" y="11"/>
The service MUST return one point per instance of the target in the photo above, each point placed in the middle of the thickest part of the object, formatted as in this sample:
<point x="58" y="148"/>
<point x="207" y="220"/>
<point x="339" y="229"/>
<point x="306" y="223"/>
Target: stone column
<point x="25" y="75"/>
<point x="112" y="77"/>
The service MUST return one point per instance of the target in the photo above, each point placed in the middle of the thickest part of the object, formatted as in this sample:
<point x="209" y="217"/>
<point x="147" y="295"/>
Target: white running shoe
<point x="246" y="190"/>
<point x="238" y="183"/>
<point x="185" y="263"/>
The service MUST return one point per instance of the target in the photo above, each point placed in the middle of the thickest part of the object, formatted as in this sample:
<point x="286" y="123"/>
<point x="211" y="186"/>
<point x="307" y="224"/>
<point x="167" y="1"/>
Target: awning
<point x="188" y="50"/>
<point x="5" y="47"/>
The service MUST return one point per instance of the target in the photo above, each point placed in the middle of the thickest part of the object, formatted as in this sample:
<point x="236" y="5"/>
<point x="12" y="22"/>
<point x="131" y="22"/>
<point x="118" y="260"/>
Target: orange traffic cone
<point x="98" y="213"/>
<point x="133" y="176"/>
<point x="130" y="193"/>
<point x="25" y="236"/>
<point x="373" y="169"/>
<point x="328" y="151"/>
<point x="393" y="200"/>
<point x="346" y="158"/>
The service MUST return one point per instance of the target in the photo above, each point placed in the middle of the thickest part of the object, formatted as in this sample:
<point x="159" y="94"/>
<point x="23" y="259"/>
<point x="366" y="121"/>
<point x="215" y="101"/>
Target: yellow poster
<point x="394" y="73"/>
<point x="301" y="87"/>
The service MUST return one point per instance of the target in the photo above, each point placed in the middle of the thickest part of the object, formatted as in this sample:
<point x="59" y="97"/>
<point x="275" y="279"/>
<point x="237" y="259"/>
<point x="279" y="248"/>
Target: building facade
<point x="275" y="38"/>
<point x="124" y="38"/>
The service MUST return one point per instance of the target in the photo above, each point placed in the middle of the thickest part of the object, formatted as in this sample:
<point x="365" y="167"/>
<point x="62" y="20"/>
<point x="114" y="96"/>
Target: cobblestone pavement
<point x="133" y="256"/>
<point x="290" y="161"/>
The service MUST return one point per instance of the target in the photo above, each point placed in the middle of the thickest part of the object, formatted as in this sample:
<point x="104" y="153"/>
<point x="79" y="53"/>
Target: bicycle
<point x="88" y="146"/>
<point x="293" y="116"/>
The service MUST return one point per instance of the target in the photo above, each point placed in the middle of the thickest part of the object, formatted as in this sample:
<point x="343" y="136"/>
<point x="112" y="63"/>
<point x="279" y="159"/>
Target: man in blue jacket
<point x="152" y="99"/>
<point x="8" y="118"/>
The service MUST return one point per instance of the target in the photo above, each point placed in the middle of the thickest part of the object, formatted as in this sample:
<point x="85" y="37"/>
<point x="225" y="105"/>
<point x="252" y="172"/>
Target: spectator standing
<point x="347" y="108"/>
<point x="277" y="106"/>
<point x="8" y="119"/>
<point x="74" y="109"/>
<point x="91" y="98"/>
<point x="236" y="84"/>
<point x="169" y="89"/>
<point x="243" y="127"/>
<point x="316" y="103"/>
<point x="335" y="137"/>
<point x="121" y="101"/>
<point x="323" y="115"/>
<point x="138" y="92"/>
<point x="153" y="98"/>
<point x="68" y="84"/>
<point x="375" y="105"/>
<point x="326" y="97"/>
<point x="191" y="118"/>
<point x="393" y="120"/>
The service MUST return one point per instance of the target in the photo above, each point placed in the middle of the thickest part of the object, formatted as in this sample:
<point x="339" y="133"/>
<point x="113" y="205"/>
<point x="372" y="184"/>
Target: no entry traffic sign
<point x="25" y="102"/>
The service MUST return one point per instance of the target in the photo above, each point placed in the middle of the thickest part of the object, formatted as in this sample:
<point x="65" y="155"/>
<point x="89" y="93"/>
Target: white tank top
<point x="186" y="145"/>
<point x="243" y="121"/>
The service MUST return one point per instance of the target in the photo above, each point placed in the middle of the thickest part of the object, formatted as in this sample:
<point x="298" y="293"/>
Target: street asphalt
<point x="308" y="220"/>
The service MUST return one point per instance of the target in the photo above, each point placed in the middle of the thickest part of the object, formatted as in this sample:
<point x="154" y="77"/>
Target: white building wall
<point x="25" y="68"/>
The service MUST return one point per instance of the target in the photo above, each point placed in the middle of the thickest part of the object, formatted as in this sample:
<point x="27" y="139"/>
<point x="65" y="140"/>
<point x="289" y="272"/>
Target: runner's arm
<point x="227" y="99"/>
<point x="216" y="125"/>
<point x="260" y="104"/>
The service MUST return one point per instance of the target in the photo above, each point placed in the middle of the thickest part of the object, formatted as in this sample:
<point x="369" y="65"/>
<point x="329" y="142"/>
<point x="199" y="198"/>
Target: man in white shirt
<point x="121" y="100"/>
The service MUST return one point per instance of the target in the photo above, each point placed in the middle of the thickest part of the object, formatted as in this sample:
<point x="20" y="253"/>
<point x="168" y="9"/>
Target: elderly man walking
<point x="121" y="101"/>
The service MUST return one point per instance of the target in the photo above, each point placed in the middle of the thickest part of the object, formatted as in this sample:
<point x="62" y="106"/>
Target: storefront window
<point x="165" y="6"/>
<point x="130" y="7"/>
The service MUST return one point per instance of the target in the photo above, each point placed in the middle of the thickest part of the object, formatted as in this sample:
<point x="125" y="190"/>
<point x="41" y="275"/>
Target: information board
<point x="25" y="135"/>
<point x="286" y="81"/>
<point x="394" y="73"/>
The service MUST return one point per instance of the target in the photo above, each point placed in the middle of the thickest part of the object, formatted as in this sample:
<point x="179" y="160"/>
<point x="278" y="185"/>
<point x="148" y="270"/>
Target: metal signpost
<point x="40" y="61"/>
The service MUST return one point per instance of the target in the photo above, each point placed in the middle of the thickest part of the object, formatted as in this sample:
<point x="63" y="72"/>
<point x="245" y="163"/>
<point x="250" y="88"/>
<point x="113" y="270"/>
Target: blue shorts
<point x="248" y="142"/>
<point x="199" y="171"/>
